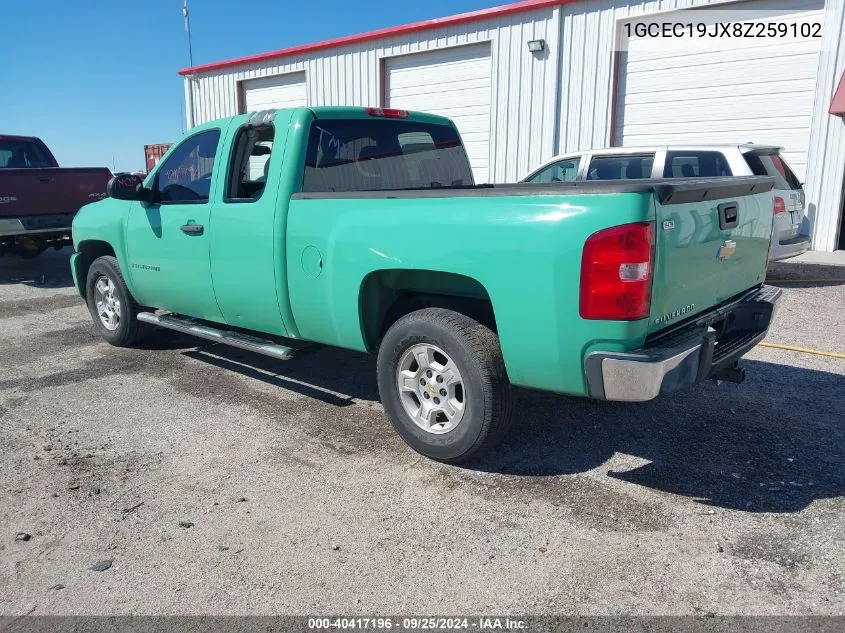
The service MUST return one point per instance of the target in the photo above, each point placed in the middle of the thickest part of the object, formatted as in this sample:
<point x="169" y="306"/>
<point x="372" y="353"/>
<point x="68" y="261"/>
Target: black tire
<point x="129" y="330"/>
<point x="487" y="393"/>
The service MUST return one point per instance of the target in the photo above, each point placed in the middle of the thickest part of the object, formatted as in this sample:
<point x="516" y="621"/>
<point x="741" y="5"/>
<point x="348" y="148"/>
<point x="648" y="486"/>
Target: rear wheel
<point x="443" y="384"/>
<point x="113" y="309"/>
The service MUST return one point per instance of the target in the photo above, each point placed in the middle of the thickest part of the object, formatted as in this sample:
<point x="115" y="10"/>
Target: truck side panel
<point x="524" y="250"/>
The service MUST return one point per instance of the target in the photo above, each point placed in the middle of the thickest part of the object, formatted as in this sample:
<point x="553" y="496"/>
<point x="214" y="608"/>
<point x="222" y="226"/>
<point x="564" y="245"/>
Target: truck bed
<point x="28" y="194"/>
<point x="524" y="244"/>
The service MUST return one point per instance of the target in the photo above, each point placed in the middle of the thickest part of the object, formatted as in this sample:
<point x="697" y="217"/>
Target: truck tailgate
<point x="711" y="244"/>
<point x="50" y="191"/>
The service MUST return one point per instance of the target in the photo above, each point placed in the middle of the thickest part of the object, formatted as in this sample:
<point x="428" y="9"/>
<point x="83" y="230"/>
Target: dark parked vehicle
<point x="38" y="199"/>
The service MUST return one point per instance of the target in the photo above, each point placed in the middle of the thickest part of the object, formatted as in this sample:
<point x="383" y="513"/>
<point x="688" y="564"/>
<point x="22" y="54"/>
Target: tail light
<point x="779" y="205"/>
<point x="390" y="113"/>
<point x="616" y="271"/>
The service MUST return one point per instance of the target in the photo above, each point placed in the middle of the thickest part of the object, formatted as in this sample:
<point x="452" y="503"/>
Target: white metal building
<point x="590" y="86"/>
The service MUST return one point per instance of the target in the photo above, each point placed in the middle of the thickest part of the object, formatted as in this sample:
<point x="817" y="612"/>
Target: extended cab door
<point x="167" y="239"/>
<point x="247" y="237"/>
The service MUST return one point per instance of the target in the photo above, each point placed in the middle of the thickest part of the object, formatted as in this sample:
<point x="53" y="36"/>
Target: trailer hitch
<point x="731" y="373"/>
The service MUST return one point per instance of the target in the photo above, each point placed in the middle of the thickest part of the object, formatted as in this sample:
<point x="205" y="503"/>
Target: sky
<point x="98" y="80"/>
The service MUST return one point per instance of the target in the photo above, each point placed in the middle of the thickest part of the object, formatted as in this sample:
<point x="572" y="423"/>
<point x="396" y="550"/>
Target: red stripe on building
<point x="415" y="27"/>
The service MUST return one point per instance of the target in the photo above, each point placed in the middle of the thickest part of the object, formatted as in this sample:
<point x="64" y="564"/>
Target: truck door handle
<point x="192" y="229"/>
<point x="46" y="179"/>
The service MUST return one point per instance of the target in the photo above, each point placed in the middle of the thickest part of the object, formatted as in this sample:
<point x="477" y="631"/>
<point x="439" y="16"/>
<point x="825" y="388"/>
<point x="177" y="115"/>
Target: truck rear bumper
<point x="699" y="350"/>
<point x="36" y="225"/>
<point x="791" y="247"/>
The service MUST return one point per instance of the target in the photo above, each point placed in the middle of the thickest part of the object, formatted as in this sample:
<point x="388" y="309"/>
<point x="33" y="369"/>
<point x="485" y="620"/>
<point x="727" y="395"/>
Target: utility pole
<point x="187" y="18"/>
<point x="189" y="82"/>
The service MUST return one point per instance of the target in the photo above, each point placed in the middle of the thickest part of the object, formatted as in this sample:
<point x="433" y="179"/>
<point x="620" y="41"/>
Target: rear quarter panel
<point x="524" y="250"/>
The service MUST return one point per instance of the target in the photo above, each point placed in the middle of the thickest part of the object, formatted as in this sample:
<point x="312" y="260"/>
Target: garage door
<point x="452" y="82"/>
<point x="734" y="90"/>
<point x="280" y="91"/>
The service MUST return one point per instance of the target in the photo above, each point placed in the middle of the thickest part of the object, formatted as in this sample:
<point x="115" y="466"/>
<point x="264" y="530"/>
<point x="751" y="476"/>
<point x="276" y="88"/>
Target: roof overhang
<point x="425" y="25"/>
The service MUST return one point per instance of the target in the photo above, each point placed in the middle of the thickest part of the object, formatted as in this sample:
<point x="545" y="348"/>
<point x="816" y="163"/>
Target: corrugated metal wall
<point x="557" y="102"/>
<point x="588" y="34"/>
<point x="588" y="37"/>
<point x="523" y="100"/>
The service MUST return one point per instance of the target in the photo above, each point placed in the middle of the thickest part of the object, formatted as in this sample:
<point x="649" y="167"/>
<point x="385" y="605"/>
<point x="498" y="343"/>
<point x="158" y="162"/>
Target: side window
<point x="690" y="164"/>
<point x="186" y="175"/>
<point x="561" y="171"/>
<point x="249" y="163"/>
<point x="771" y="164"/>
<point x="631" y="167"/>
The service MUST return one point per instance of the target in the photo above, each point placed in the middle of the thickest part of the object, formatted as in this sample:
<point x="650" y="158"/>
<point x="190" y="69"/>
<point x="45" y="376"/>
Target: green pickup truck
<point x="362" y="228"/>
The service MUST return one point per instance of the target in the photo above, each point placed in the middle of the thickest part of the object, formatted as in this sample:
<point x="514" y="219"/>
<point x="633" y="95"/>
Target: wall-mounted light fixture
<point x="537" y="46"/>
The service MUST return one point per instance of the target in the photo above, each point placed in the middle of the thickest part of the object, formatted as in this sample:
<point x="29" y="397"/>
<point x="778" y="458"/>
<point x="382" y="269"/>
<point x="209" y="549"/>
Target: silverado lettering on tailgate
<point x="674" y="315"/>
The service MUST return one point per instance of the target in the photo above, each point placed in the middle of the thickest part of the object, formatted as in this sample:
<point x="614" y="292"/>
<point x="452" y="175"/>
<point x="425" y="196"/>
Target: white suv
<point x="694" y="161"/>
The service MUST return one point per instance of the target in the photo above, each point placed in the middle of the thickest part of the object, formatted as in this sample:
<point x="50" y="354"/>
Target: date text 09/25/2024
<point x="417" y="623"/>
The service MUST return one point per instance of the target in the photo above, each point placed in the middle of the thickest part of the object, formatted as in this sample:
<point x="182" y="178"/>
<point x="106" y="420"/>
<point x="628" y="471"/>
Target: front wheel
<point x="443" y="384"/>
<point x="113" y="309"/>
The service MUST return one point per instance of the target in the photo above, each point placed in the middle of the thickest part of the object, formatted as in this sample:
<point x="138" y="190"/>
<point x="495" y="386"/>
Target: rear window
<point x="380" y="154"/>
<point x="771" y="164"/>
<point x="687" y="164"/>
<point x="631" y="167"/>
<point x="22" y="154"/>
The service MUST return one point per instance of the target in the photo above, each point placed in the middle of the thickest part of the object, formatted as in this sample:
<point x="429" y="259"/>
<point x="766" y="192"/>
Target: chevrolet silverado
<point x="362" y="228"/>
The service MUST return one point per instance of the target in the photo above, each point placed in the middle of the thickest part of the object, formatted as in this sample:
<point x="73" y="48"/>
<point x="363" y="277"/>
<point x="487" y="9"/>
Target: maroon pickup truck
<point x="38" y="199"/>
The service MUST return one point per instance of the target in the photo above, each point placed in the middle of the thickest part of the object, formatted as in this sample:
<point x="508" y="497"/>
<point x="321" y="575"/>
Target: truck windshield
<point x="381" y="154"/>
<point x="22" y="154"/>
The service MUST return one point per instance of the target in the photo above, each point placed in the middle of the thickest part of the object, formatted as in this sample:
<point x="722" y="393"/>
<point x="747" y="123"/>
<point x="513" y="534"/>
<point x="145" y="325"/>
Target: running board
<point x="235" y="339"/>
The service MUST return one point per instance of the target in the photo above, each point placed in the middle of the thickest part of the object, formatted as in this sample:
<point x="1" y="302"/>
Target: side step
<point x="235" y="339"/>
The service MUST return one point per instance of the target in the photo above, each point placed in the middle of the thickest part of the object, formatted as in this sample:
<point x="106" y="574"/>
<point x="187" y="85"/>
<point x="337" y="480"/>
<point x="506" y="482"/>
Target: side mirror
<point x="126" y="187"/>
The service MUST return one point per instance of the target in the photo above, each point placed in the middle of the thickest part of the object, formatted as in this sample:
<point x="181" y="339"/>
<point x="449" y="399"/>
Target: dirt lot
<point x="297" y="497"/>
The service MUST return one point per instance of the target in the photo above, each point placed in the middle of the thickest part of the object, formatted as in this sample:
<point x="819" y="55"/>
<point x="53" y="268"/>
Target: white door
<point x="279" y="91"/>
<point x="452" y="82"/>
<point x="733" y="90"/>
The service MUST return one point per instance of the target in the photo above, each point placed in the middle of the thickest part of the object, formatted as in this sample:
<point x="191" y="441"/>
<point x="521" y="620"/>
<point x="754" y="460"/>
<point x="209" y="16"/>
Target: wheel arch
<point x="385" y="296"/>
<point x="88" y="251"/>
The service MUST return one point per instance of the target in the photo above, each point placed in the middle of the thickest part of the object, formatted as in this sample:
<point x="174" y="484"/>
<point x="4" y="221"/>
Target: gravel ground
<point x="218" y="482"/>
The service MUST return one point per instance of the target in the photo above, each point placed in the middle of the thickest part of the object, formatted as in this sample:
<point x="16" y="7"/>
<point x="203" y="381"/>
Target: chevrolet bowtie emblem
<point x="726" y="250"/>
